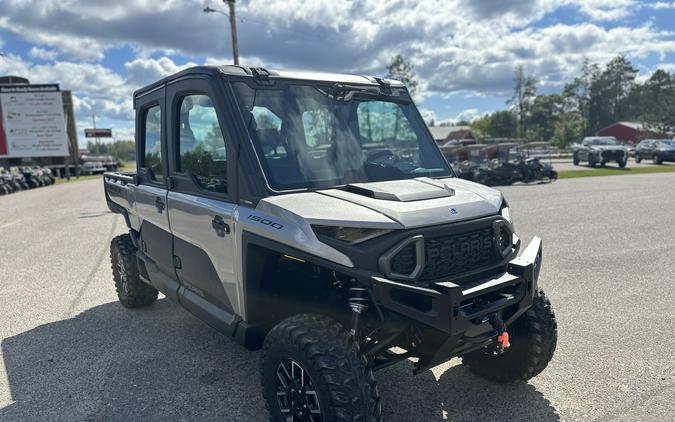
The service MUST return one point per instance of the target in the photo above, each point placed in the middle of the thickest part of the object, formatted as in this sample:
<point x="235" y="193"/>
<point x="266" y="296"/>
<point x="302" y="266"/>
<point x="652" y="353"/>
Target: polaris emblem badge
<point x="453" y="211"/>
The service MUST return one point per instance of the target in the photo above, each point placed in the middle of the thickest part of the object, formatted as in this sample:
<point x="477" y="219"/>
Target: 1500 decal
<point x="266" y="222"/>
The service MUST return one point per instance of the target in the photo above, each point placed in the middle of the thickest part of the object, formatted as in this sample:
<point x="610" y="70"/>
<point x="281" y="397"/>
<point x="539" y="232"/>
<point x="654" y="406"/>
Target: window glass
<point x="202" y="152"/>
<point x="312" y="136"/>
<point x="153" y="143"/>
<point x="386" y="133"/>
<point x="318" y="125"/>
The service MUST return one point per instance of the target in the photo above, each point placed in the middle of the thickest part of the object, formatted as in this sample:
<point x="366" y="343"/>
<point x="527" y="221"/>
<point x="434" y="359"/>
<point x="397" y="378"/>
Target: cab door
<point x="151" y="192"/>
<point x="202" y="203"/>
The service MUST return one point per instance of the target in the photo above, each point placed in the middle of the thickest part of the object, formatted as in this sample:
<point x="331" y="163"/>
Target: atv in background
<point x="505" y="164"/>
<point x="23" y="178"/>
<point x="472" y="168"/>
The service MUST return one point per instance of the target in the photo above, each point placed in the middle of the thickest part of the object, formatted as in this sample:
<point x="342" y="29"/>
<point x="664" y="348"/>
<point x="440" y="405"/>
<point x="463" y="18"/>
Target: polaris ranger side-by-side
<point x="313" y="216"/>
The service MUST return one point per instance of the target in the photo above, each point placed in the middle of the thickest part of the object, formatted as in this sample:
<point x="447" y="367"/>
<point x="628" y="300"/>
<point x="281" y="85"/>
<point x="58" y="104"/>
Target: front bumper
<point x="613" y="155"/>
<point x="452" y="308"/>
<point x="460" y="313"/>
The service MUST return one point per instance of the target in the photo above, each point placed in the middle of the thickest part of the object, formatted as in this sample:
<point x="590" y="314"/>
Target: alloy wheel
<point x="296" y="395"/>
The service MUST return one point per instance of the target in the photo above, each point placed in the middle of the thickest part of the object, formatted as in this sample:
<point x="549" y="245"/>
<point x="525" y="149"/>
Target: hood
<point x="393" y="204"/>
<point x="608" y="147"/>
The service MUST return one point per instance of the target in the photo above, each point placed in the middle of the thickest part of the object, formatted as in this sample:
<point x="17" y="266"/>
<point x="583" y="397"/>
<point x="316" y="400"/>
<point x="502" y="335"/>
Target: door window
<point x="202" y="152"/>
<point x="152" y="143"/>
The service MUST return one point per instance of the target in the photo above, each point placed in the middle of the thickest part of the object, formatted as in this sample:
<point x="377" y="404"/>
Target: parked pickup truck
<point x="600" y="150"/>
<point x="313" y="216"/>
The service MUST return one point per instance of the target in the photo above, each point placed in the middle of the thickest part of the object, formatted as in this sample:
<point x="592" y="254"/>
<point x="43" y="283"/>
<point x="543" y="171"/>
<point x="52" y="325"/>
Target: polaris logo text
<point x="266" y="222"/>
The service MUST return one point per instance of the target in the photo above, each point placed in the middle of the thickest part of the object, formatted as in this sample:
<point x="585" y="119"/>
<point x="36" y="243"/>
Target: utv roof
<point x="262" y="73"/>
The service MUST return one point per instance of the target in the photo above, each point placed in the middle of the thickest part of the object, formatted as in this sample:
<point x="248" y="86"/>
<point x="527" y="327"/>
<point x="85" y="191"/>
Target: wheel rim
<point x="296" y="394"/>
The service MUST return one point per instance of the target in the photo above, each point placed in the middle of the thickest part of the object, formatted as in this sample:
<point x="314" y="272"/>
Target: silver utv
<point x="314" y="216"/>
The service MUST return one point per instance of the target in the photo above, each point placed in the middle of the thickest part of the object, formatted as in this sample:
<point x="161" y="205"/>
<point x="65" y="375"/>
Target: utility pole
<point x="233" y="29"/>
<point x="93" y="121"/>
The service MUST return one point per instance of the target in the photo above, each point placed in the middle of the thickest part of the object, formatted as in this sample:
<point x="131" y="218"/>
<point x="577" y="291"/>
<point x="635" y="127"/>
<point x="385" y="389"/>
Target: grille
<point x="450" y="255"/>
<point x="612" y="155"/>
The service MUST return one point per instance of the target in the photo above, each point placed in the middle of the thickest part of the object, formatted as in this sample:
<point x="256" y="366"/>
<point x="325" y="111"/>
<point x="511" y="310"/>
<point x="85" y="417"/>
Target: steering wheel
<point x="380" y="157"/>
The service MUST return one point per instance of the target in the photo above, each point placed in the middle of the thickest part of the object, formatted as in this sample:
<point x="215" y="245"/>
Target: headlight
<point x="349" y="235"/>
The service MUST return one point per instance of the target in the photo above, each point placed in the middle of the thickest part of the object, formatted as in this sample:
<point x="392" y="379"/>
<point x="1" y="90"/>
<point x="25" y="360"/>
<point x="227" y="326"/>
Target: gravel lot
<point x="70" y="352"/>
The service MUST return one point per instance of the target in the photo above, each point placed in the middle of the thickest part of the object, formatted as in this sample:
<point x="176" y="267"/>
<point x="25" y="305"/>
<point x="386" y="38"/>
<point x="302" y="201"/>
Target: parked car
<point x="658" y="150"/>
<point x="327" y="258"/>
<point x="92" y="167"/>
<point x="600" y="150"/>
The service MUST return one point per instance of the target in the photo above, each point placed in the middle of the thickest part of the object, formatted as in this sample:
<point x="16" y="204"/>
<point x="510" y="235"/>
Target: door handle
<point x="220" y="226"/>
<point x="159" y="204"/>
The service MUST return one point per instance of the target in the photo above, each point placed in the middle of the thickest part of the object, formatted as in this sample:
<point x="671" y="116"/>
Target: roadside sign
<point x="32" y="122"/>
<point x="98" y="133"/>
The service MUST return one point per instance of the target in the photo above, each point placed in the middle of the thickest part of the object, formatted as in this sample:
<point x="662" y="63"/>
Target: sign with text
<point x="98" y="133"/>
<point x="32" y="123"/>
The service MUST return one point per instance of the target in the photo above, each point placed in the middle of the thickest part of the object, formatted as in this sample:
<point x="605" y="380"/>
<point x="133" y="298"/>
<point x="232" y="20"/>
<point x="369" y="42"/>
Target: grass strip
<point x="609" y="171"/>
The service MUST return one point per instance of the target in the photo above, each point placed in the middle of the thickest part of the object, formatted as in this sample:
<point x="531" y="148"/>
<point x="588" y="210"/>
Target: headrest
<point x="269" y="138"/>
<point x="249" y="119"/>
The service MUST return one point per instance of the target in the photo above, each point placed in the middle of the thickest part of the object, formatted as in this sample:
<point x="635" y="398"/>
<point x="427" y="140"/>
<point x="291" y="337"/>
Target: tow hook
<point x="502" y="334"/>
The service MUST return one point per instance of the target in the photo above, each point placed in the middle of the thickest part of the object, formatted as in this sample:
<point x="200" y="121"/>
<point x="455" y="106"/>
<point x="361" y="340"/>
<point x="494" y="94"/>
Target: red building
<point x="627" y="132"/>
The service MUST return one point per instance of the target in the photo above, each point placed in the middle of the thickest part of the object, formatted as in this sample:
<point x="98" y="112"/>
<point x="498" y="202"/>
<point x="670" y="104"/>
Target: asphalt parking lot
<point x="70" y="352"/>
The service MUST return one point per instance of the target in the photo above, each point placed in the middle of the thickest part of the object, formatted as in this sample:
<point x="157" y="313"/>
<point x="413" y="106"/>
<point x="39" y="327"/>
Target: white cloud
<point x="468" y="115"/>
<point x="428" y="115"/>
<point x="662" y="5"/>
<point x="143" y="71"/>
<point x="456" y="46"/>
<point x="43" y="54"/>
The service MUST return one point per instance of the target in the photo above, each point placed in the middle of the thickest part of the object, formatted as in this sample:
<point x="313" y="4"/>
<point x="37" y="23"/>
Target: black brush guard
<point x="461" y="313"/>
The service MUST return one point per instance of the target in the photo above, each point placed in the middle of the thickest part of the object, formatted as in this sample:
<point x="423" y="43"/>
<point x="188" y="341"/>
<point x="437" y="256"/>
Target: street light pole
<point x="233" y="29"/>
<point x="233" y="26"/>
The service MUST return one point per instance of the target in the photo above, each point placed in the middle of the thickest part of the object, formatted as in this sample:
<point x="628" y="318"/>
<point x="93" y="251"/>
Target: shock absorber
<point x="358" y="302"/>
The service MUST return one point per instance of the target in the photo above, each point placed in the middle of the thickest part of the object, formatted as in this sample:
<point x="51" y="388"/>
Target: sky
<point x="464" y="51"/>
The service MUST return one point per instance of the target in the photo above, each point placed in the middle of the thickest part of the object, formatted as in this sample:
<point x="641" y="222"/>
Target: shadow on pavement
<point x="161" y="364"/>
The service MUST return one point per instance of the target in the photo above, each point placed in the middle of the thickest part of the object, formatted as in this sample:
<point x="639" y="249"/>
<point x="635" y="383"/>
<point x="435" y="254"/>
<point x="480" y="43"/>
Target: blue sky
<point x="464" y="51"/>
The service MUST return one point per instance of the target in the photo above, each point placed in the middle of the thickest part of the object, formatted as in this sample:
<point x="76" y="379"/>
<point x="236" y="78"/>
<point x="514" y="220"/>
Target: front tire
<point x="310" y="364"/>
<point x="131" y="291"/>
<point x="657" y="159"/>
<point x="622" y="164"/>
<point x="575" y="159"/>
<point x="533" y="339"/>
<point x="638" y="158"/>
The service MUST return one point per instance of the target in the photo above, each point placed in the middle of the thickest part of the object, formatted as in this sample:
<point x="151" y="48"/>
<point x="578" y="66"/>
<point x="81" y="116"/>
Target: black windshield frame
<point x="248" y="94"/>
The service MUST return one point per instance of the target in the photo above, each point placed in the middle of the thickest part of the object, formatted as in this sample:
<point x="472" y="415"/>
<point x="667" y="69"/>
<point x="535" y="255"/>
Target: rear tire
<point x="131" y="290"/>
<point x="657" y="159"/>
<point x="622" y="164"/>
<point x="533" y="339"/>
<point x="638" y="158"/>
<point x="340" y="382"/>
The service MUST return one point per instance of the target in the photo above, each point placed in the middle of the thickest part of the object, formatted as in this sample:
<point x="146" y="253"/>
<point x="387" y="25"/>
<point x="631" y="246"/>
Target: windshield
<point x="312" y="137"/>
<point x="665" y="143"/>
<point x="604" y="141"/>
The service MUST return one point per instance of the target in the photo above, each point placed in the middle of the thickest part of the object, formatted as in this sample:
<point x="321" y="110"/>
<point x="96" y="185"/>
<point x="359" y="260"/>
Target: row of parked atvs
<point x="499" y="164"/>
<point x="22" y="178"/>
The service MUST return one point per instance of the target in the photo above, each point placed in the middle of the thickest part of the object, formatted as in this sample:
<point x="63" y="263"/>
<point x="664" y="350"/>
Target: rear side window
<point x="202" y="152"/>
<point x="153" y="143"/>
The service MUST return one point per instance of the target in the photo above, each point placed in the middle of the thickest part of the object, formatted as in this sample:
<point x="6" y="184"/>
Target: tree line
<point x="598" y="97"/>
